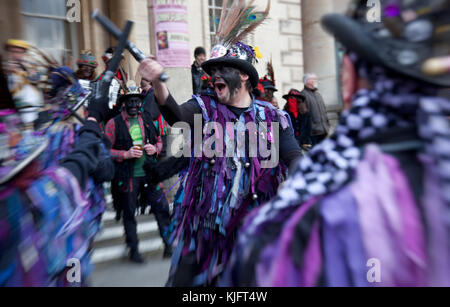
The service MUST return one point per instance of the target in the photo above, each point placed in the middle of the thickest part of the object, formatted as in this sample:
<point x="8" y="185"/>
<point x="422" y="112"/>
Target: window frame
<point x="70" y="35"/>
<point x="212" y="6"/>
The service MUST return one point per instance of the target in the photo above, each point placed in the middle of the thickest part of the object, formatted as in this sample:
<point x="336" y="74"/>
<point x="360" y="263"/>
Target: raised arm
<point x="171" y="110"/>
<point x="151" y="70"/>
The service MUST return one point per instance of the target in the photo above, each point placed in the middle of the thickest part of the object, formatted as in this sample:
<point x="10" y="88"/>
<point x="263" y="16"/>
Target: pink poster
<point x="172" y="35"/>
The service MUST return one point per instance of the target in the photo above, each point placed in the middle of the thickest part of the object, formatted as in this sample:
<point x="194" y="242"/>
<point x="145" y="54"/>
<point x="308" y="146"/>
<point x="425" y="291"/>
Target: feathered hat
<point x="28" y="83"/>
<point x="268" y="82"/>
<point x="19" y="148"/>
<point x="235" y="24"/>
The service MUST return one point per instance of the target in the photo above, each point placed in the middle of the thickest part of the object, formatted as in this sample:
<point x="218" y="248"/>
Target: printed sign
<point x="172" y="33"/>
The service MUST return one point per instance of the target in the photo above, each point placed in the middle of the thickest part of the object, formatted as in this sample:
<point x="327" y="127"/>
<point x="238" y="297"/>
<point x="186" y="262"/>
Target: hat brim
<point x="273" y="88"/>
<point x="301" y="96"/>
<point x="125" y="97"/>
<point x="242" y="65"/>
<point x="86" y="64"/>
<point x="354" y="37"/>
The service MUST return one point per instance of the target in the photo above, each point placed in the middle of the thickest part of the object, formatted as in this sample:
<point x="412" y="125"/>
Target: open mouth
<point x="220" y="86"/>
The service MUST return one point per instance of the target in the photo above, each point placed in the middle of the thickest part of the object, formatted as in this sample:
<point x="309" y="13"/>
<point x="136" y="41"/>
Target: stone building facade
<point x="292" y="37"/>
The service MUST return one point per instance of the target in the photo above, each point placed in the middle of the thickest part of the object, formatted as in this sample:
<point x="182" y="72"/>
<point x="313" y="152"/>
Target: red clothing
<point x="293" y="106"/>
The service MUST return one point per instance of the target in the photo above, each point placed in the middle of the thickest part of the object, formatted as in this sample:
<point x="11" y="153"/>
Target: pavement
<point x="153" y="273"/>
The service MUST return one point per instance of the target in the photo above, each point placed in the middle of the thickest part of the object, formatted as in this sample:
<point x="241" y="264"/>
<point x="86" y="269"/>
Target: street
<point x="153" y="273"/>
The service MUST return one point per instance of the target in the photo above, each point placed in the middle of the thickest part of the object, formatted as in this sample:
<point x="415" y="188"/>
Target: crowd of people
<point x="376" y="191"/>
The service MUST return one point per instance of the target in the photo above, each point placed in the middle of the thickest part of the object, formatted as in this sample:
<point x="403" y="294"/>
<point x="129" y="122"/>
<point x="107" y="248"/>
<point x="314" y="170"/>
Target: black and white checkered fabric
<point x="393" y="102"/>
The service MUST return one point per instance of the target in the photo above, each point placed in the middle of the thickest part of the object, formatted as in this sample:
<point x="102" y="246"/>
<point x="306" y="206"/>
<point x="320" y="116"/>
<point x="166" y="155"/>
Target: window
<point x="215" y="9"/>
<point x="46" y="27"/>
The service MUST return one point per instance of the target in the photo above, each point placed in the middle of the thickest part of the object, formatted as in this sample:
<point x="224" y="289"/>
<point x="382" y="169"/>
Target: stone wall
<point x="280" y="38"/>
<point x="10" y="21"/>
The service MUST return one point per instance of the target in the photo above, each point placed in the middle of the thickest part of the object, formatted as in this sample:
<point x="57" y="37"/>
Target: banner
<point x="172" y="33"/>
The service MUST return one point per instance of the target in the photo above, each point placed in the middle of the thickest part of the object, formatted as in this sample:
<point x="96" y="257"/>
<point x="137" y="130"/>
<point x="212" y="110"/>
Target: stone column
<point x="121" y="11"/>
<point x="10" y="21"/>
<point x="180" y="86"/>
<point x="180" y="79"/>
<point x="94" y="38"/>
<point x="319" y="53"/>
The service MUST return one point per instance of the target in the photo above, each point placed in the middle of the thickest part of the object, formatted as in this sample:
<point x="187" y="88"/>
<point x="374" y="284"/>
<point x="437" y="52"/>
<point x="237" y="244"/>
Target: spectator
<point x="269" y="91"/>
<point x="301" y="118"/>
<point x="197" y="70"/>
<point x="316" y="106"/>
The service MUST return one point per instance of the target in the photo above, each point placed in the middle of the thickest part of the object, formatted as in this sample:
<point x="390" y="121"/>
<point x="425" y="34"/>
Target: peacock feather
<point x="239" y="21"/>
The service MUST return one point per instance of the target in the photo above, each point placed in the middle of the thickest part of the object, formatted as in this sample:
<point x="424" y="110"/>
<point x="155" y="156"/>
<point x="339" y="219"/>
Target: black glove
<point x="98" y="108"/>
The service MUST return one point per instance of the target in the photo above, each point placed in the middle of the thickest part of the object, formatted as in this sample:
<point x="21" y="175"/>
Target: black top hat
<point x="240" y="56"/>
<point x="409" y="35"/>
<point x="268" y="85"/>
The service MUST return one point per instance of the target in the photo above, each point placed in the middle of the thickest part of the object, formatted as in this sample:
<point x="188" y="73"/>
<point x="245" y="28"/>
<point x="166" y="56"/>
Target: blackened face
<point x="133" y="105"/>
<point x="269" y="94"/>
<point x="227" y="81"/>
<point x="86" y="71"/>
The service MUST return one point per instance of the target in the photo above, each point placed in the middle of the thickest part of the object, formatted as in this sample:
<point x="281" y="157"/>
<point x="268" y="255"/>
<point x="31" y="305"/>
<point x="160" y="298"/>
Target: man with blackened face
<point x="135" y="141"/>
<point x="232" y="86"/>
<point x="132" y="106"/>
<point x="224" y="183"/>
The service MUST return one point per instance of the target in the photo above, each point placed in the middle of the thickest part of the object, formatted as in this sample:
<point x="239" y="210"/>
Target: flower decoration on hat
<point x="258" y="53"/>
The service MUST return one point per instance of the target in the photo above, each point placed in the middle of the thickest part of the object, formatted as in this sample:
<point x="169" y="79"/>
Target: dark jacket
<point x="150" y="106"/>
<point x="197" y="74"/>
<point x="302" y="125"/>
<point x="316" y="106"/>
<point x="124" y="169"/>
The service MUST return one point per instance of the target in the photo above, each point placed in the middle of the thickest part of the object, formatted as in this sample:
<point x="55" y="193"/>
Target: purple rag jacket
<point x="218" y="192"/>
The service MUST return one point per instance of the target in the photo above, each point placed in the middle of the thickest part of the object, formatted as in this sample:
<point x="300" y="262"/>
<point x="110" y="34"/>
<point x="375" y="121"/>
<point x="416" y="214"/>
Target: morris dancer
<point x="219" y="191"/>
